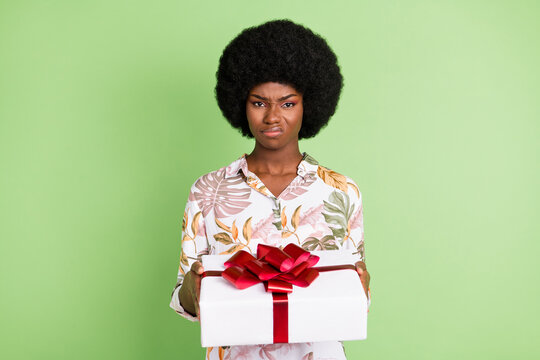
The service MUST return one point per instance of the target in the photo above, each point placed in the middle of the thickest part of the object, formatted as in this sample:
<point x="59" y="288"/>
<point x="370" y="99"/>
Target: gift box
<point x="316" y="296"/>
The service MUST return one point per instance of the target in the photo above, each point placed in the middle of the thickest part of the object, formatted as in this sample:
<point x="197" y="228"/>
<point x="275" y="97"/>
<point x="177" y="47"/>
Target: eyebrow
<point x="280" y="99"/>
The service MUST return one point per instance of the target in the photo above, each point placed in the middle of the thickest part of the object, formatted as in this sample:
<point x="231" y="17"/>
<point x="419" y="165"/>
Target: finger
<point x="197" y="268"/>
<point x="365" y="277"/>
<point x="361" y="265"/>
<point x="365" y="282"/>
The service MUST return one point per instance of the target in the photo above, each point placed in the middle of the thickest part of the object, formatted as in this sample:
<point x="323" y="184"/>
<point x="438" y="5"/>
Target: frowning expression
<point x="274" y="112"/>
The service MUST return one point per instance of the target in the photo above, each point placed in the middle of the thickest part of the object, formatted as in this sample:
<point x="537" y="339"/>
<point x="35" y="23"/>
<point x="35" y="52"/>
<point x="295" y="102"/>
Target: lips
<point x="273" y="131"/>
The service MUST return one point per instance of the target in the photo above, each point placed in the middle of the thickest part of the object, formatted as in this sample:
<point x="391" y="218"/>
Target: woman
<point x="277" y="83"/>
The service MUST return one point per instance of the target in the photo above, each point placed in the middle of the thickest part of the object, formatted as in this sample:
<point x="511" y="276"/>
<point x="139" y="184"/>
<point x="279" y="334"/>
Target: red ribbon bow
<point x="278" y="269"/>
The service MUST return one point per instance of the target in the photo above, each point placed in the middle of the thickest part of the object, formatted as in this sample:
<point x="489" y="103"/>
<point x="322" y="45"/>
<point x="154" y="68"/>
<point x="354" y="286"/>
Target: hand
<point x="364" y="275"/>
<point x="191" y="289"/>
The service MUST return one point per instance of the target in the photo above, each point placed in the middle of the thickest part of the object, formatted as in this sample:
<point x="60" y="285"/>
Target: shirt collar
<point x="308" y="166"/>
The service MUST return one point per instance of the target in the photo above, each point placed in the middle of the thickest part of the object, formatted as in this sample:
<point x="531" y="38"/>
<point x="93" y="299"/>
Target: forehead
<point x="273" y="89"/>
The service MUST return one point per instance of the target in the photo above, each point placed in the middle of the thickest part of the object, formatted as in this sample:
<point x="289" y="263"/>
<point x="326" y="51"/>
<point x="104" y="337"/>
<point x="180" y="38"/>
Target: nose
<point x="273" y="114"/>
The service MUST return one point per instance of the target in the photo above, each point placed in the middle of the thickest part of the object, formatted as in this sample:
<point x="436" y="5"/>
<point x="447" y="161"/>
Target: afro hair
<point x="284" y="52"/>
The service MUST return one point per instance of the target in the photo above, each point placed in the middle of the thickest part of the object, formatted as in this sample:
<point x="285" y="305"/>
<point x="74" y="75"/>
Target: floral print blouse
<point x="230" y="209"/>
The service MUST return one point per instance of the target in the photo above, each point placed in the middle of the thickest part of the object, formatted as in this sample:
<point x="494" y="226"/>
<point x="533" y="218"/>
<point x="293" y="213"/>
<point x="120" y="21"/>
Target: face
<point x="274" y="112"/>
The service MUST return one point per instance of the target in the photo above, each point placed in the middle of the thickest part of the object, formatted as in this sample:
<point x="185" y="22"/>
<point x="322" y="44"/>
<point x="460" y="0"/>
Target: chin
<point x="271" y="144"/>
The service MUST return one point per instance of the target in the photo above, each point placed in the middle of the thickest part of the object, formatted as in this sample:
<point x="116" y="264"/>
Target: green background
<point x="107" y="116"/>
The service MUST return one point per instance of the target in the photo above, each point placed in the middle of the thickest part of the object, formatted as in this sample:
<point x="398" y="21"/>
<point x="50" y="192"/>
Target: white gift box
<point x="333" y="307"/>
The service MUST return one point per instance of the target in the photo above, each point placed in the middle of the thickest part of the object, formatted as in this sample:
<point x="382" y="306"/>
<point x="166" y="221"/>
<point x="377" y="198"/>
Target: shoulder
<point x="202" y="190"/>
<point x="339" y="181"/>
<point x="211" y="181"/>
<point x="208" y="180"/>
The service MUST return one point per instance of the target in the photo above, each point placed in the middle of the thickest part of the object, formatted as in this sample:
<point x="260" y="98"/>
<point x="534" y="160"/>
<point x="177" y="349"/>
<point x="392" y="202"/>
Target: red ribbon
<point x="278" y="270"/>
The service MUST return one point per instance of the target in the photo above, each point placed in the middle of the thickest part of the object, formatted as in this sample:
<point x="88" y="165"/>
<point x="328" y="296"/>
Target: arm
<point x="355" y="239"/>
<point x="194" y="244"/>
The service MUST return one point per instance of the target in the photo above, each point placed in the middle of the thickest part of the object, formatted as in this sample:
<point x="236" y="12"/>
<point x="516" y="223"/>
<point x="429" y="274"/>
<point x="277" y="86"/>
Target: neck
<point x="274" y="161"/>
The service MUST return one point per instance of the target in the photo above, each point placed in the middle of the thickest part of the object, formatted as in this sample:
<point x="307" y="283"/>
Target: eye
<point x="258" y="103"/>
<point x="289" y="104"/>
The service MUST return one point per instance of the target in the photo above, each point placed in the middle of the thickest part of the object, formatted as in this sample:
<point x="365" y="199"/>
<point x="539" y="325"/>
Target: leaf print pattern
<point x="332" y="178"/>
<point x="221" y="194"/>
<point x="265" y="353"/>
<point x="355" y="188"/>
<point x="247" y="231"/>
<point x="356" y="219"/>
<point x="321" y="229"/>
<point x="328" y="242"/>
<point x="230" y="236"/>
<point x="221" y="353"/>
<point x="310" y="217"/>
<point x="269" y="351"/>
<point x="310" y="160"/>
<point x="297" y="188"/>
<point x="183" y="261"/>
<point x="360" y="251"/>
<point x="337" y="213"/>
<point x="230" y="209"/>
<point x="336" y="180"/>
<point x="263" y="228"/>
<point x="278" y="217"/>
<point x="194" y="228"/>
<point x="255" y="183"/>
<point x="356" y="226"/>
<point x="295" y="219"/>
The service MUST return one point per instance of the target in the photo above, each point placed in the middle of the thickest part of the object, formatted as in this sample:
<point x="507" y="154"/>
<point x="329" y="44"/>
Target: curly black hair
<point x="284" y="52"/>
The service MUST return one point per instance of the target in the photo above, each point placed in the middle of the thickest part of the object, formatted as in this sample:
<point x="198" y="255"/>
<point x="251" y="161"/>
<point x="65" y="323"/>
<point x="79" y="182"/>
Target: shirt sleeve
<point x="194" y="245"/>
<point x="355" y="239"/>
